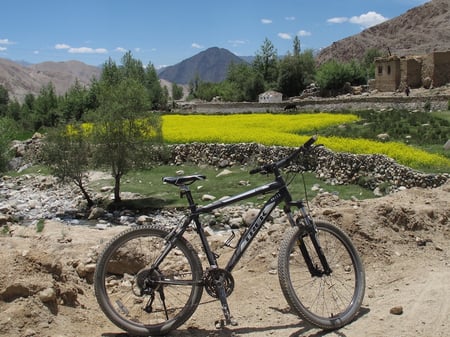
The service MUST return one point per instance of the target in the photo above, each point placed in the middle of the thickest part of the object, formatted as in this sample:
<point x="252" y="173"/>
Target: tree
<point x="46" y="108"/>
<point x="245" y="83"/>
<point x="67" y="153"/>
<point x="297" y="48"/>
<point x="75" y="103"/>
<point x="125" y="131"/>
<point x="290" y="78"/>
<point x="158" y="96"/>
<point x="266" y="63"/>
<point x="308" y="66"/>
<point x="177" y="92"/>
<point x="332" y="76"/>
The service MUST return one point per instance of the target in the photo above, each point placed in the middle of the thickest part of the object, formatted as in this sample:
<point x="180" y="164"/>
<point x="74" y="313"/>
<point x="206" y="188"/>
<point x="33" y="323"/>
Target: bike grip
<point x="310" y="141"/>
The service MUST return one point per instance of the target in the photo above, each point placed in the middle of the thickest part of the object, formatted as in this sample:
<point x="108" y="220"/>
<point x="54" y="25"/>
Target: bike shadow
<point x="301" y="326"/>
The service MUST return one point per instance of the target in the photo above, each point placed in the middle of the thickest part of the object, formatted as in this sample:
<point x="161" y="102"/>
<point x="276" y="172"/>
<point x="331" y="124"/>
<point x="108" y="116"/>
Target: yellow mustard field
<point x="287" y="130"/>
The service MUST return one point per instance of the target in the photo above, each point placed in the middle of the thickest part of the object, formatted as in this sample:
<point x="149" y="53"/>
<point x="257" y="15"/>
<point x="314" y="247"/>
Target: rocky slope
<point x="419" y="31"/>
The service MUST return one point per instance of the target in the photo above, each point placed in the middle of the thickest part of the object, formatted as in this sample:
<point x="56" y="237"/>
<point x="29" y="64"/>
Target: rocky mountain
<point x="21" y="80"/>
<point x="210" y="65"/>
<point x="419" y="31"/>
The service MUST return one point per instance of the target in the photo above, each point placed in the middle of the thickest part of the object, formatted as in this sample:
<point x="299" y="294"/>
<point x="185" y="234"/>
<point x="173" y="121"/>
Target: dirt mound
<point x="46" y="280"/>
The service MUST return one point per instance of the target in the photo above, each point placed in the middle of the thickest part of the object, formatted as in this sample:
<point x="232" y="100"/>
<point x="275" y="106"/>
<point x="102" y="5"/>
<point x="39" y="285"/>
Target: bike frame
<point x="282" y="194"/>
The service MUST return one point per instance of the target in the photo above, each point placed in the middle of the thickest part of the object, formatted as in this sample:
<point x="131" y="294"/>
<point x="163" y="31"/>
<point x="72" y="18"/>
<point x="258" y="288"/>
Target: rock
<point x="208" y="197"/>
<point x="249" y="216"/>
<point x="96" y="213"/>
<point x="47" y="295"/>
<point x="224" y="173"/>
<point x="397" y="310"/>
<point x="144" y="220"/>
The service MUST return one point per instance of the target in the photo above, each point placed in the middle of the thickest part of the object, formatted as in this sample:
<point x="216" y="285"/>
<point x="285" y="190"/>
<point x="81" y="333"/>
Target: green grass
<point x="156" y="194"/>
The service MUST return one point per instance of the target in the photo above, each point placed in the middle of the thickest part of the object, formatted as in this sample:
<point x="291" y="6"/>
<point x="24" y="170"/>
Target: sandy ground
<point x="403" y="239"/>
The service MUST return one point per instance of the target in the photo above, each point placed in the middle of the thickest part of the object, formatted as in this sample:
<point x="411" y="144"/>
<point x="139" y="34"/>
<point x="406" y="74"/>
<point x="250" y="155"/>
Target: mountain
<point x="210" y="65"/>
<point x="21" y="80"/>
<point x="419" y="31"/>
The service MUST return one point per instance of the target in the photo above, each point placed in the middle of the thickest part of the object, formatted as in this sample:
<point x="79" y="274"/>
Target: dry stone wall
<point x="372" y="171"/>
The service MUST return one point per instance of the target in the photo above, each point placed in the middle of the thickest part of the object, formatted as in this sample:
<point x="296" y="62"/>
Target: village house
<point x="270" y="97"/>
<point x="394" y="73"/>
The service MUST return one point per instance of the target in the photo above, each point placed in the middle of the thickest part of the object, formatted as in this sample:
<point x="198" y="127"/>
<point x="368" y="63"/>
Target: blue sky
<point x="165" y="32"/>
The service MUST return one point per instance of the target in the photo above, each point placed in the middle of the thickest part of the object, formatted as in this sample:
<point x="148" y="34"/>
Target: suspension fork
<point x="308" y="228"/>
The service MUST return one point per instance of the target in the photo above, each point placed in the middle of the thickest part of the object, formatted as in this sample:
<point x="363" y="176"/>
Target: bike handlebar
<point x="270" y="168"/>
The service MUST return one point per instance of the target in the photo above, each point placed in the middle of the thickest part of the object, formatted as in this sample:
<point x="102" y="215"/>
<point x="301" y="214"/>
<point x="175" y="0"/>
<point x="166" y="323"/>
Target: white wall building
<point x="270" y="97"/>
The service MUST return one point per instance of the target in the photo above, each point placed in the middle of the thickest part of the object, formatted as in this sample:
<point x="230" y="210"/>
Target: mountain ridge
<point x="418" y="31"/>
<point x="210" y="65"/>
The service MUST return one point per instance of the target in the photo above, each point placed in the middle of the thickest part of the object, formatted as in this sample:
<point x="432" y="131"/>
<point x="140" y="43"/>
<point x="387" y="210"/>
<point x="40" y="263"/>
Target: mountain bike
<point x="149" y="279"/>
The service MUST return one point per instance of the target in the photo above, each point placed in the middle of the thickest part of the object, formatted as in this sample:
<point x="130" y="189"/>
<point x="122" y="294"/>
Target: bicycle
<point x="149" y="280"/>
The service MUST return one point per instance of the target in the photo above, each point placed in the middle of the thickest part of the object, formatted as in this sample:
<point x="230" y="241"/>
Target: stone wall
<point x="362" y="102"/>
<point x="370" y="171"/>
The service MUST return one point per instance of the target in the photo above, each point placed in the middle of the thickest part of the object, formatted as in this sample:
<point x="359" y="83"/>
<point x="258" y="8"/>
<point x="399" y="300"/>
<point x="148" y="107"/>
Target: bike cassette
<point x="146" y="281"/>
<point x="213" y="276"/>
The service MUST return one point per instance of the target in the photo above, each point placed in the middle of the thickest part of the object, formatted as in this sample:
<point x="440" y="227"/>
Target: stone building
<point x="395" y="73"/>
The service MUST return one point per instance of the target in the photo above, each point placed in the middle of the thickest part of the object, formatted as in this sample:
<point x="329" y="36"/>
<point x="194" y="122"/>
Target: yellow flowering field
<point x="268" y="129"/>
<point x="287" y="130"/>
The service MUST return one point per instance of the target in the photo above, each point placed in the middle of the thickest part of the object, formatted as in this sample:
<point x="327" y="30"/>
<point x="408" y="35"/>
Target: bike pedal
<point x="221" y="323"/>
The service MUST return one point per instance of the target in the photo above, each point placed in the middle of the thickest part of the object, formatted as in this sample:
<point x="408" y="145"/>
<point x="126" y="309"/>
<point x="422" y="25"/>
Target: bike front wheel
<point x="137" y="296"/>
<point x="328" y="300"/>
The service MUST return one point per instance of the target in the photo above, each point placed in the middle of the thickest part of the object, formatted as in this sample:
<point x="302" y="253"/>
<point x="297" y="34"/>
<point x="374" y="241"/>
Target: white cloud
<point x="62" y="46"/>
<point x="121" y="50"/>
<point x="285" y="36"/>
<point x="303" y="33"/>
<point x="368" y="20"/>
<point x="137" y="50"/>
<point x="196" y="46"/>
<point x="266" y="21"/>
<point x="6" y="41"/>
<point x="290" y="18"/>
<point x="36" y="52"/>
<point x="338" y="20"/>
<point x="3" y="48"/>
<point x="87" y="50"/>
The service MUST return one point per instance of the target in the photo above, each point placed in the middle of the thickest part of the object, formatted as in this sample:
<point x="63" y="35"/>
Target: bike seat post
<point x="185" y="191"/>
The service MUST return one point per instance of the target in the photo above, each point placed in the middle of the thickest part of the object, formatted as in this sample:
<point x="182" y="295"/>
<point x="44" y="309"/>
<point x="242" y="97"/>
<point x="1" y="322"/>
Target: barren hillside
<point x="21" y="80"/>
<point x="419" y="31"/>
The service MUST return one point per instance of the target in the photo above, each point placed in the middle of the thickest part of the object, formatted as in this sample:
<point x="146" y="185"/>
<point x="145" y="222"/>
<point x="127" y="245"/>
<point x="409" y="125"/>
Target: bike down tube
<point x="255" y="227"/>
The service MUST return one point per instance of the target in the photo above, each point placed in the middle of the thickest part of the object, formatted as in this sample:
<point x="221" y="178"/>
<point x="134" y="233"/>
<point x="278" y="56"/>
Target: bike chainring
<point x="212" y="276"/>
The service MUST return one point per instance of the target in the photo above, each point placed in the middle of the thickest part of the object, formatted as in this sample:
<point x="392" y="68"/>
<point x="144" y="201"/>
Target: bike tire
<point x="327" y="301"/>
<point x="122" y="266"/>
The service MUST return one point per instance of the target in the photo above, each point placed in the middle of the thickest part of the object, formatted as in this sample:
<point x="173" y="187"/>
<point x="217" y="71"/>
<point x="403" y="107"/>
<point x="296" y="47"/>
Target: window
<point x="380" y="70"/>
<point x="389" y="70"/>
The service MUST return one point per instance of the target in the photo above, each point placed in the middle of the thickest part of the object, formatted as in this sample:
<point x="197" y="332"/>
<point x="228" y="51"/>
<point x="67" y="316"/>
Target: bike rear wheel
<point x="327" y="300"/>
<point x="143" y="300"/>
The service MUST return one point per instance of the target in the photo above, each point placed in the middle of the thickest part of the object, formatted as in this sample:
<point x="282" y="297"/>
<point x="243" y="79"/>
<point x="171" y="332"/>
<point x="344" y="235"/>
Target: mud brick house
<point x="395" y="73"/>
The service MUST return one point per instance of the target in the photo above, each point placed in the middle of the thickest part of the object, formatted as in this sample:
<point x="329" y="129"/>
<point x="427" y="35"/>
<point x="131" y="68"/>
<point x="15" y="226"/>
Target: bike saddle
<point x="183" y="180"/>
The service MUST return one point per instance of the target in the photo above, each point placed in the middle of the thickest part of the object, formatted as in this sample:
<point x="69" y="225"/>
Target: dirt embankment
<point x="404" y="238"/>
